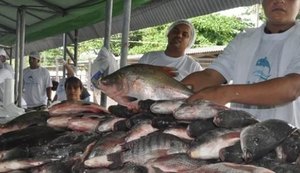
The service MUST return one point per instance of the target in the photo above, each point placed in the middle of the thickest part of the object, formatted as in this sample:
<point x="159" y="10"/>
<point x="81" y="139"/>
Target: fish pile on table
<point x="144" y="134"/>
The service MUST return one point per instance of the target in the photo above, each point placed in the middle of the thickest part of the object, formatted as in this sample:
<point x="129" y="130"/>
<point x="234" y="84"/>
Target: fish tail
<point x="117" y="160"/>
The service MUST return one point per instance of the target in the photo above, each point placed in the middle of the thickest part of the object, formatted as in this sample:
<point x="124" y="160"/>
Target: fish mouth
<point x="247" y="156"/>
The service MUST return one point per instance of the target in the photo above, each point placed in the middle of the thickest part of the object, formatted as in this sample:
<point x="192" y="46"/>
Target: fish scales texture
<point x="234" y="118"/>
<point x="152" y="146"/>
<point x="260" y="138"/>
<point x="200" y="109"/>
<point x="136" y="82"/>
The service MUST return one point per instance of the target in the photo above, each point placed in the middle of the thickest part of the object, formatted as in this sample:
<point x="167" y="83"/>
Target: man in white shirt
<point x="37" y="84"/>
<point x="181" y="36"/>
<point x="263" y="65"/>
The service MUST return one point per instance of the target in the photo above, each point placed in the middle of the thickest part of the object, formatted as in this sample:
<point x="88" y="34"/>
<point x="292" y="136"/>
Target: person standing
<point x="181" y="36"/>
<point x="37" y="84"/>
<point x="264" y="66"/>
<point x="3" y="63"/>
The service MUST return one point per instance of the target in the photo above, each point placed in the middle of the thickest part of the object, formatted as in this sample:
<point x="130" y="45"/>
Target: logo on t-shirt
<point x="261" y="72"/>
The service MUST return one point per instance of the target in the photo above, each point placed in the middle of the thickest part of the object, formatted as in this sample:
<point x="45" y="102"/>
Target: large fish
<point x="25" y="120"/>
<point x="140" y="151"/>
<point x="76" y="108"/>
<point x="208" y="145"/>
<point x="136" y="82"/>
<point x="260" y="138"/>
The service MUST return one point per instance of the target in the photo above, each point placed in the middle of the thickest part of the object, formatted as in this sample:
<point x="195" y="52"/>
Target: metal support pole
<point x="21" y="41"/>
<point x="75" y="47"/>
<point x="108" y="21"/>
<point x="64" y="53"/>
<point x="125" y="32"/>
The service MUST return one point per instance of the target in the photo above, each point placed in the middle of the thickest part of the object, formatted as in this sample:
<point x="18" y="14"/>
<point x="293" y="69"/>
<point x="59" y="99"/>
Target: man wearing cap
<point x="6" y="72"/>
<point x="181" y="36"/>
<point x="37" y="84"/>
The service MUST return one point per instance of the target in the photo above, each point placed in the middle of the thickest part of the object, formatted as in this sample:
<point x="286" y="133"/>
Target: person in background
<point x="37" y="84"/>
<point x="4" y="74"/>
<point x="73" y="88"/>
<point x="264" y="67"/>
<point x="181" y="36"/>
<point x="60" y="91"/>
<point x="3" y="63"/>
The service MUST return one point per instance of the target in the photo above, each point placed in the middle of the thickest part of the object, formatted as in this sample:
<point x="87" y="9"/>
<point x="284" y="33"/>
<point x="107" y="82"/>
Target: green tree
<point x="211" y="29"/>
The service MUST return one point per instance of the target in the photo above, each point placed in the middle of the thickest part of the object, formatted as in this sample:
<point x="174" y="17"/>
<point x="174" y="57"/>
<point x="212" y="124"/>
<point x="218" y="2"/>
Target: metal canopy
<point x="46" y="20"/>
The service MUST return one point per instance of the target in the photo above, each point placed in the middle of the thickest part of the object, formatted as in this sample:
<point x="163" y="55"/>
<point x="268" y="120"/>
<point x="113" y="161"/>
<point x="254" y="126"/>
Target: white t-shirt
<point x="4" y="74"/>
<point x="35" y="83"/>
<point x="254" y="56"/>
<point x="185" y="65"/>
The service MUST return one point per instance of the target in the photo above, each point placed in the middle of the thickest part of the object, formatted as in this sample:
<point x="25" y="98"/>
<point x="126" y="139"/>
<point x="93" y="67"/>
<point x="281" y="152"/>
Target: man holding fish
<point x="263" y="65"/>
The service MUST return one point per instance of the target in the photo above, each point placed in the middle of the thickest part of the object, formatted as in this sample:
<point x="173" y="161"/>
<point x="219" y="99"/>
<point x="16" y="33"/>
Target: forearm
<point x="49" y="93"/>
<point x="69" y="69"/>
<point x="272" y="92"/>
<point x="203" y="79"/>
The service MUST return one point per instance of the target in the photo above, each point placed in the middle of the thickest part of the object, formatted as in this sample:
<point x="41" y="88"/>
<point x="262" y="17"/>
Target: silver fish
<point x="136" y="82"/>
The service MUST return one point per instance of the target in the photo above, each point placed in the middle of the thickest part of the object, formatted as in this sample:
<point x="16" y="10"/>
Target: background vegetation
<point x="211" y="29"/>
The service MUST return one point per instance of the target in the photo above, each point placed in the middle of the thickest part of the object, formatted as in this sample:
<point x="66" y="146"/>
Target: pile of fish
<point x="146" y="133"/>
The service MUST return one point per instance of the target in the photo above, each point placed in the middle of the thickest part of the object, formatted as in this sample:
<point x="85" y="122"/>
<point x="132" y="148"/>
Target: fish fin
<point x="170" y="71"/>
<point x="117" y="160"/>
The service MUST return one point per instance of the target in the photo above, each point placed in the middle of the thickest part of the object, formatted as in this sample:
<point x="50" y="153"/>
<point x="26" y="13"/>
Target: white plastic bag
<point x="104" y="64"/>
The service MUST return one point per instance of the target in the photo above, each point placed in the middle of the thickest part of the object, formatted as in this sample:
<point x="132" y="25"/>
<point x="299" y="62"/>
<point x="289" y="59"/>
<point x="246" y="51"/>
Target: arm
<point x="49" y="91"/>
<point x="268" y="93"/>
<point x="69" y="69"/>
<point x="202" y="79"/>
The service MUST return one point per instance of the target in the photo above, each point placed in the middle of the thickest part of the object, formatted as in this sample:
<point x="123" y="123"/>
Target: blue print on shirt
<point x="261" y="71"/>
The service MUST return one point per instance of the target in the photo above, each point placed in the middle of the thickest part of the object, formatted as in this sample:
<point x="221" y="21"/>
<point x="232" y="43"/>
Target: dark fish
<point x="138" y="118"/>
<point x="198" y="127"/>
<point x="276" y="165"/>
<point x="260" y="138"/>
<point x="208" y="145"/>
<point x="289" y="149"/>
<point x="136" y="82"/>
<point x="140" y="151"/>
<point x="30" y="136"/>
<point x="234" y="119"/>
<point x="144" y="105"/>
<point x="232" y="153"/>
<point x="14" y="153"/>
<point x="75" y="108"/>
<point x="166" y="106"/>
<point x="179" y="131"/>
<point x="25" y="120"/>
<point x="175" y="163"/>
<point x="200" y="109"/>
<point x="11" y="165"/>
<point x="108" y="124"/>
<point x="226" y="167"/>
<point x="162" y="122"/>
<point x="120" y="111"/>
<point x="109" y="143"/>
<point x="83" y="124"/>
<point x="127" y="168"/>
<point x="142" y="129"/>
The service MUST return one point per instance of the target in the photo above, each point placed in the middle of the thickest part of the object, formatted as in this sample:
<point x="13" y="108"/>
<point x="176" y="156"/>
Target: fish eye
<point x="256" y="141"/>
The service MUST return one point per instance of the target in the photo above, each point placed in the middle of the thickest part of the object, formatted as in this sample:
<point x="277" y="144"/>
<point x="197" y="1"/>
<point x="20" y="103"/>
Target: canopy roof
<point x="46" y="20"/>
